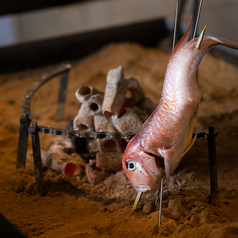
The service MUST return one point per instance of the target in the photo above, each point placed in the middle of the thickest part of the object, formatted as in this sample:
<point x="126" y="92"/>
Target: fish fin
<point x="169" y="165"/>
<point x="167" y="180"/>
<point x="189" y="145"/>
<point x="200" y="38"/>
<point x="183" y="40"/>
<point x="169" y="161"/>
<point x="189" y="140"/>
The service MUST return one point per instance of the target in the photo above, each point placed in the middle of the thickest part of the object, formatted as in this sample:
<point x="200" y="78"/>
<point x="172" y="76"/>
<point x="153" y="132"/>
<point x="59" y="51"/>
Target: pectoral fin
<point x="169" y="164"/>
<point x="170" y="161"/>
<point x="189" y="145"/>
<point x="189" y="140"/>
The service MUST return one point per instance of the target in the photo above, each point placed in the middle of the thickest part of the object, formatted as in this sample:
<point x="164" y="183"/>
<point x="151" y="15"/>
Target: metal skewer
<point x="198" y="15"/>
<point x="175" y="23"/>
<point x="176" y="18"/>
<point x="138" y="197"/>
<point x="161" y="196"/>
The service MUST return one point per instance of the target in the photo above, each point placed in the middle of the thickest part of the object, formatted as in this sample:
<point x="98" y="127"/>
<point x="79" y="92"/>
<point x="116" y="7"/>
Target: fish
<point x="167" y="134"/>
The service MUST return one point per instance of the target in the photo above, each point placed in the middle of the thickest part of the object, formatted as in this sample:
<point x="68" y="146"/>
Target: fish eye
<point x="131" y="165"/>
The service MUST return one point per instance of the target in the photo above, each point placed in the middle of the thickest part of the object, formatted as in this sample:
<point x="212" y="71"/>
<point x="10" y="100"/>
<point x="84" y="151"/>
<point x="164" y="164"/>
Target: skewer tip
<point x="138" y="197"/>
<point x="200" y="38"/>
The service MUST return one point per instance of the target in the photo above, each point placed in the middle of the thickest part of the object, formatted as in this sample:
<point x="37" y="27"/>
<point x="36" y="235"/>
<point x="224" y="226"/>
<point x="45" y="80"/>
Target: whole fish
<point x="167" y="134"/>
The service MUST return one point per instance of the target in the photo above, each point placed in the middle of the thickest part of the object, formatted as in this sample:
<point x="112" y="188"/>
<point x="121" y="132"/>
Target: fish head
<point x="141" y="169"/>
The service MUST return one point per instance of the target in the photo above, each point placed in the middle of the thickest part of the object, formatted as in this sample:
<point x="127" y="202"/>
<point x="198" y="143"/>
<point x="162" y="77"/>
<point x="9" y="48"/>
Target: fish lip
<point x="143" y="188"/>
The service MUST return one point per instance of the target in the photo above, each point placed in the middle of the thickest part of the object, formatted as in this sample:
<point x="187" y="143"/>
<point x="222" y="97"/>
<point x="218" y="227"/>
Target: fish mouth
<point x="143" y="188"/>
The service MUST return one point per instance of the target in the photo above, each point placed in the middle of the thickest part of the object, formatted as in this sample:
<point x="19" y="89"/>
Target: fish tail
<point x="209" y="42"/>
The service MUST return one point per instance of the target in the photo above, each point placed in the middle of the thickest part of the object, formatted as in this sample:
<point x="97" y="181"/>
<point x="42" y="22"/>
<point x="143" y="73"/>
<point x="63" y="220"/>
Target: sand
<point x="74" y="208"/>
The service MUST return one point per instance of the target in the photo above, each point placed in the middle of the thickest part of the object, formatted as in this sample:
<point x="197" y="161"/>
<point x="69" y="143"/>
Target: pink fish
<point x="167" y="134"/>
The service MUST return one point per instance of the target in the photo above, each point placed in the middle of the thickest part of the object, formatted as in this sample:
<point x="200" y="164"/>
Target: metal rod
<point x="26" y="118"/>
<point x="26" y="102"/>
<point x="138" y="197"/>
<point x="212" y="166"/>
<point x="175" y="23"/>
<point x="22" y="142"/>
<point x="161" y="197"/>
<point x="37" y="157"/>
<point x="62" y="96"/>
<point x="157" y="197"/>
<point x="198" y="15"/>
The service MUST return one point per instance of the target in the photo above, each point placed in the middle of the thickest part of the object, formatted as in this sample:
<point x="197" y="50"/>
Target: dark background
<point x="67" y="48"/>
<point x="16" y="6"/>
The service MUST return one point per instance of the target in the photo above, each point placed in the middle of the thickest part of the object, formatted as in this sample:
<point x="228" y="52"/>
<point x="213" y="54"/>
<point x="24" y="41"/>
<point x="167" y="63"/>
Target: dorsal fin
<point x="183" y="40"/>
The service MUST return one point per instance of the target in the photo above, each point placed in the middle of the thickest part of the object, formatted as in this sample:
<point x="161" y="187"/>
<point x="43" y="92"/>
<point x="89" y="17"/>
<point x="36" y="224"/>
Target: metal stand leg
<point x="62" y="96"/>
<point x="213" y="166"/>
<point x="22" y="142"/>
<point x="161" y="198"/>
<point x="37" y="156"/>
